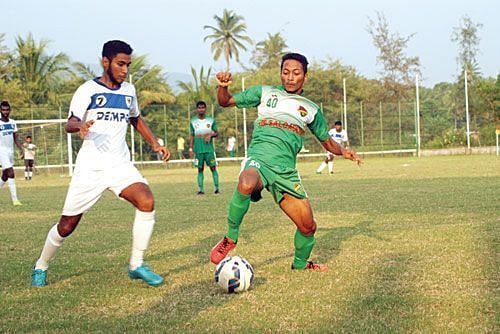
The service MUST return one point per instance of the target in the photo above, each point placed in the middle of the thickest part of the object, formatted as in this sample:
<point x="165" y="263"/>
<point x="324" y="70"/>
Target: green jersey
<point x="279" y="129"/>
<point x="199" y="128"/>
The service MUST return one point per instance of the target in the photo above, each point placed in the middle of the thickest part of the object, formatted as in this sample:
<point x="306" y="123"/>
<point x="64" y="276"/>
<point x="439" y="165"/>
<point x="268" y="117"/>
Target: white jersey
<point x="29" y="151"/>
<point x="338" y="137"/>
<point x="105" y="146"/>
<point x="7" y="130"/>
<point x="230" y="143"/>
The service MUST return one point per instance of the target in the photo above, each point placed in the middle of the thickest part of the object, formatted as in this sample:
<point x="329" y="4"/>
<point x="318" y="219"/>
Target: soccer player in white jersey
<point x="29" y="158"/>
<point x="100" y="111"/>
<point x="8" y="137"/>
<point x="339" y="135"/>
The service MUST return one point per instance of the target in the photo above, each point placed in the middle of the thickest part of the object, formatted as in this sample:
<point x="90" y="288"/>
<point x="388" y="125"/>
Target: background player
<point x="100" y="111"/>
<point x="8" y="137"/>
<point x="203" y="129"/>
<point x="29" y="158"/>
<point x="339" y="135"/>
<point x="278" y="136"/>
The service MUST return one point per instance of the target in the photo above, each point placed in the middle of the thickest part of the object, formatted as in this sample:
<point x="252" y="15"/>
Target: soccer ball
<point x="234" y="274"/>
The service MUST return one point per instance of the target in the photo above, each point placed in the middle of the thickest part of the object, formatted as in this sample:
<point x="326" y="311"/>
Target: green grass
<point x="412" y="245"/>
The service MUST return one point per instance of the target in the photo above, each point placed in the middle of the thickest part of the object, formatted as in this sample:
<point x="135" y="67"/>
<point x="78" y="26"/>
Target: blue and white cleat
<point x="147" y="275"/>
<point x="38" y="277"/>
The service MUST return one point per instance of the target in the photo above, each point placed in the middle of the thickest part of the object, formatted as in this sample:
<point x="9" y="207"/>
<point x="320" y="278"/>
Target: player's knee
<point x="308" y="229"/>
<point x="246" y="185"/>
<point x="65" y="228"/>
<point x="147" y="204"/>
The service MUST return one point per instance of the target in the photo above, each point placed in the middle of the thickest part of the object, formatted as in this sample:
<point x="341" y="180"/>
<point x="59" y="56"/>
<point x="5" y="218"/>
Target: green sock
<point x="303" y="247"/>
<point x="237" y="209"/>
<point x="215" y="175"/>
<point x="200" y="181"/>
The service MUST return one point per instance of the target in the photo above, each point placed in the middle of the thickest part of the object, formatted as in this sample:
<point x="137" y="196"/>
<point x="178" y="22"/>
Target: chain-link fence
<point x="370" y="127"/>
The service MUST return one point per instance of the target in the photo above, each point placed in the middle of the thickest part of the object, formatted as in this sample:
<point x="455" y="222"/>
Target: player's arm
<point x="225" y="99"/>
<point x="140" y="125"/>
<point x="191" y="140"/>
<point x="319" y="128"/>
<point x="213" y="134"/>
<point x="74" y="124"/>
<point x="18" y="144"/>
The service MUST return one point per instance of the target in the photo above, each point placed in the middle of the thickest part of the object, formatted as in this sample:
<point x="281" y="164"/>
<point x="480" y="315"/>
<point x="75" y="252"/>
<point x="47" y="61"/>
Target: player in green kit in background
<point x="203" y="129"/>
<point x="278" y="136"/>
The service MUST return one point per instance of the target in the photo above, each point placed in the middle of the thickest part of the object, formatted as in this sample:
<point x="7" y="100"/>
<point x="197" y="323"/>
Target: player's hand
<point x="351" y="155"/>
<point x="224" y="79"/>
<point x="21" y="155"/>
<point x="207" y="138"/>
<point x="84" y="128"/>
<point x="191" y="154"/>
<point x="165" y="153"/>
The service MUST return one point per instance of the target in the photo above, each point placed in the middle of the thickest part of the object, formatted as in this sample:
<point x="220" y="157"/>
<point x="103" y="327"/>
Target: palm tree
<point x="228" y="36"/>
<point x="268" y="53"/>
<point x="199" y="88"/>
<point x="40" y="74"/>
<point x="150" y="84"/>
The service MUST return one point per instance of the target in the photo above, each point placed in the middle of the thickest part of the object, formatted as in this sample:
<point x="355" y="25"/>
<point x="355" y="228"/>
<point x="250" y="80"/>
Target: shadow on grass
<point x="329" y="240"/>
<point x="384" y="303"/>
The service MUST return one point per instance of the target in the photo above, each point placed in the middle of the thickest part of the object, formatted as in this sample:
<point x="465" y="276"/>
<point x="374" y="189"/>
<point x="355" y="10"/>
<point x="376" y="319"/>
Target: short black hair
<point x="28" y="136"/>
<point x="5" y="104"/>
<point x="295" y="56"/>
<point x="338" y="123"/>
<point x="200" y="103"/>
<point x="111" y="48"/>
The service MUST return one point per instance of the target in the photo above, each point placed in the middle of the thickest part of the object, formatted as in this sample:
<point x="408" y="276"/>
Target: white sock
<point x="330" y="166"/>
<point x="12" y="188"/>
<point x="26" y="173"/>
<point x="30" y="174"/>
<point x="2" y="182"/>
<point x="321" y="167"/>
<point x="52" y="244"/>
<point x="141" y="234"/>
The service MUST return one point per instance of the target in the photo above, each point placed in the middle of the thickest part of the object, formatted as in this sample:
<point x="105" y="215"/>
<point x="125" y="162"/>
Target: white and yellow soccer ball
<point x="234" y="274"/>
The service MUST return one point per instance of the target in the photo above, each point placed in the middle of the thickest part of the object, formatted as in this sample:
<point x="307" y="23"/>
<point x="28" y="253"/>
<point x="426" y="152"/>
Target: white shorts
<point x="6" y="159"/>
<point x="87" y="186"/>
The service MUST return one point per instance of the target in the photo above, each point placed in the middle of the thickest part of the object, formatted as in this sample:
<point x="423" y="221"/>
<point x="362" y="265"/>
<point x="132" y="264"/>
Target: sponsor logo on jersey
<point x="297" y="186"/>
<point x="302" y="111"/>
<point x="282" y="125"/>
<point x="209" y="125"/>
<point x="113" y="116"/>
<point x="128" y="101"/>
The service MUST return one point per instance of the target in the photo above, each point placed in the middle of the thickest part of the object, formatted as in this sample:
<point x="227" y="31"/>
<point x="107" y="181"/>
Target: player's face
<point x="5" y="111"/>
<point x="117" y="68"/>
<point x="338" y="128"/>
<point x="293" y="76"/>
<point x="201" y="110"/>
<point x="28" y="140"/>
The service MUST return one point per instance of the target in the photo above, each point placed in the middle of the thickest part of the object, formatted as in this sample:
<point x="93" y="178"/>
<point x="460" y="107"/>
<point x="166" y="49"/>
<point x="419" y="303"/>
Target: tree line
<point x="32" y="79"/>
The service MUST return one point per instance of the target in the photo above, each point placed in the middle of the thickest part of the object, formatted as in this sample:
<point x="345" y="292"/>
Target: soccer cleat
<point x="318" y="172"/>
<point x="331" y="173"/>
<point x="38" y="277"/>
<point x="220" y="251"/>
<point x="217" y="192"/>
<point x="17" y="203"/>
<point x="147" y="275"/>
<point x="199" y="193"/>
<point x="315" y="267"/>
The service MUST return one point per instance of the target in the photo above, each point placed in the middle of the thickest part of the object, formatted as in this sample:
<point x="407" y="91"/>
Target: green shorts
<point x="205" y="158"/>
<point x="278" y="180"/>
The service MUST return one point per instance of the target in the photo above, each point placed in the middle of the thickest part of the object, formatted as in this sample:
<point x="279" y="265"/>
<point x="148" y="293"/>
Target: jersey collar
<point x="96" y="80"/>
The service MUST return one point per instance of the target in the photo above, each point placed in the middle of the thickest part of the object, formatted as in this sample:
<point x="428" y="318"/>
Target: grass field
<point x="412" y="245"/>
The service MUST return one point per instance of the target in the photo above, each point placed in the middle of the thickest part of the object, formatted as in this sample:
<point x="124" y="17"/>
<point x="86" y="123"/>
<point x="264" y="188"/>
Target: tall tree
<point x="228" y="36"/>
<point x="199" y="88"/>
<point x="40" y="74"/>
<point x="268" y="53"/>
<point x="150" y="83"/>
<point x="466" y="35"/>
<point x="398" y="69"/>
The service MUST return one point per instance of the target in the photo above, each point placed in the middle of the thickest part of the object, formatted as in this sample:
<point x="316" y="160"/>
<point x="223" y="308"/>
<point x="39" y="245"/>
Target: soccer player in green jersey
<point x="203" y="130"/>
<point x="283" y="116"/>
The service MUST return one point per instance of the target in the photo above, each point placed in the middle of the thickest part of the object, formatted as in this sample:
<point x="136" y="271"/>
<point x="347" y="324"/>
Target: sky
<point x="171" y="31"/>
